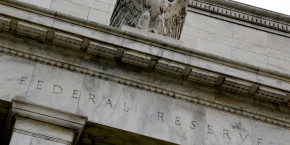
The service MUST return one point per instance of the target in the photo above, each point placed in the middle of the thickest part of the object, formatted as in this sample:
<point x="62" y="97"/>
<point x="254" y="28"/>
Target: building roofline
<point x="253" y="9"/>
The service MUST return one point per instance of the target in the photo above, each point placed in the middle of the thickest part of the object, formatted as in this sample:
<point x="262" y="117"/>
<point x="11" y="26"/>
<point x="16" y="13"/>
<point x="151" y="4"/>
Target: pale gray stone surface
<point x="192" y="20"/>
<point x="137" y="110"/>
<point x="88" y="32"/>
<point x="214" y="48"/>
<point x="215" y="25"/>
<point x="249" y="58"/>
<point x="229" y="41"/>
<point x="279" y="42"/>
<point x="189" y="41"/>
<point x="264" y="134"/>
<point x="69" y="8"/>
<point x="33" y="17"/>
<point x="95" y="4"/>
<point x="198" y="33"/>
<point x="39" y="3"/>
<point x="142" y="107"/>
<point x="196" y="27"/>
<point x="55" y="87"/>
<point x="98" y="16"/>
<point x="140" y="118"/>
<point x="226" y="129"/>
<point x="268" y="52"/>
<point x="278" y="65"/>
<point x="250" y="35"/>
<point x="15" y="77"/>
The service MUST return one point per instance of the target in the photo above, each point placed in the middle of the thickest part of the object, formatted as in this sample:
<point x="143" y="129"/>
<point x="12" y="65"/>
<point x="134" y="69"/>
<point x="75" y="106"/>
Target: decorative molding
<point x="37" y="113"/>
<point x="45" y="137"/>
<point x="4" y="24"/>
<point x="32" y="31"/>
<point x="147" y="87"/>
<point x="236" y="86"/>
<point x="203" y="77"/>
<point x="238" y="12"/>
<point x="65" y="40"/>
<point x="142" y="60"/>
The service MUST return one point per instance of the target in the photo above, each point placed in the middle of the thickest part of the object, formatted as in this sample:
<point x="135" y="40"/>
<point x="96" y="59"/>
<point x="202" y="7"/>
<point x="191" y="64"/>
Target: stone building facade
<point x="67" y="77"/>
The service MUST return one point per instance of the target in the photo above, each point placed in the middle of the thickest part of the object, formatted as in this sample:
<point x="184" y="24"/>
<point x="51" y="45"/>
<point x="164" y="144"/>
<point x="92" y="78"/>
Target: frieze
<point x="57" y="89"/>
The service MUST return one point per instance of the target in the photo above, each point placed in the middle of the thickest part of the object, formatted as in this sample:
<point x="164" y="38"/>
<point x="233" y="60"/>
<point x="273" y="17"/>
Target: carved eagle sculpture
<point x="165" y="17"/>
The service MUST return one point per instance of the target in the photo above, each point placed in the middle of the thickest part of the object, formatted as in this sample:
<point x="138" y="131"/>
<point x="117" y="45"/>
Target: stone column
<point x="32" y="124"/>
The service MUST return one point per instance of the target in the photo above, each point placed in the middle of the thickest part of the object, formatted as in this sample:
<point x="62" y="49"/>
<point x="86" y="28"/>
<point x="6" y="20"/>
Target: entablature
<point x="145" y="50"/>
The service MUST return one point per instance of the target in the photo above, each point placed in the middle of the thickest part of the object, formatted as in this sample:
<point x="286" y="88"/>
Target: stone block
<point x="229" y="41"/>
<point x="15" y="77"/>
<point x="279" y="65"/>
<point x="268" y="51"/>
<point x="178" y="57"/>
<point x="198" y="33"/>
<point x="111" y="9"/>
<point x="250" y="35"/>
<point x="268" y="81"/>
<point x="279" y="42"/>
<point x="223" y="69"/>
<point x="191" y="20"/>
<point x="139" y="46"/>
<point x="227" y="129"/>
<point x="98" y="16"/>
<point x="33" y="17"/>
<point x="69" y="8"/>
<point x="215" y="26"/>
<point x="264" y="134"/>
<point x="249" y="58"/>
<point x="141" y="112"/>
<point x="33" y="47"/>
<point x="95" y="4"/>
<point x="101" y="36"/>
<point x="214" y="48"/>
<point x="55" y="87"/>
<point x="111" y="2"/>
<point x="288" y="56"/>
<point x="39" y="3"/>
<point x="189" y="41"/>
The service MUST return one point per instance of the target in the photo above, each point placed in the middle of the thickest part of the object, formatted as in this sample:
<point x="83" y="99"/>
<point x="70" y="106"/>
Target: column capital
<point x="45" y="122"/>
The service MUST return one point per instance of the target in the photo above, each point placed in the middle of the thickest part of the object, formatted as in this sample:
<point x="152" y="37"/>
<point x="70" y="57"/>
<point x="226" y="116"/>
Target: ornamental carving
<point x="164" y="17"/>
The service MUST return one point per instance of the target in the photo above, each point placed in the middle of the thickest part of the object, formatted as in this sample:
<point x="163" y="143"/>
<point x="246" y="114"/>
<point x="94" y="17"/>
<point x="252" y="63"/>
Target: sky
<point x="281" y="6"/>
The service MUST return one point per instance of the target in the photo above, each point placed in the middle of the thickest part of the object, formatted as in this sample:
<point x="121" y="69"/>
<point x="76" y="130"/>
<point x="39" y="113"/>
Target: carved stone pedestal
<point x="31" y="124"/>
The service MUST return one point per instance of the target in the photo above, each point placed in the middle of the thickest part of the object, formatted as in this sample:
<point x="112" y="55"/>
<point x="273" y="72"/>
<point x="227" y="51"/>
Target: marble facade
<point x="66" y="80"/>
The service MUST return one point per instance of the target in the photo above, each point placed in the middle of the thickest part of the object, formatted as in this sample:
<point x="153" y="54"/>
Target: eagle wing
<point x="175" y="18"/>
<point x="127" y="12"/>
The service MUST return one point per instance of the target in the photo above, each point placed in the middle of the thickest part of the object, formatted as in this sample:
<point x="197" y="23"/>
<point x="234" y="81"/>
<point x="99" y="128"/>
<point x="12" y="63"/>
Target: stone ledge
<point x="170" y="62"/>
<point x="26" y="110"/>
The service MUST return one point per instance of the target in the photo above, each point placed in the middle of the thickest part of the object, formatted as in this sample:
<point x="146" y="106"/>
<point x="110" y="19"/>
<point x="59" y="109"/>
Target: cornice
<point x="99" y="74"/>
<point x="170" y="66"/>
<point x="245" y="13"/>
